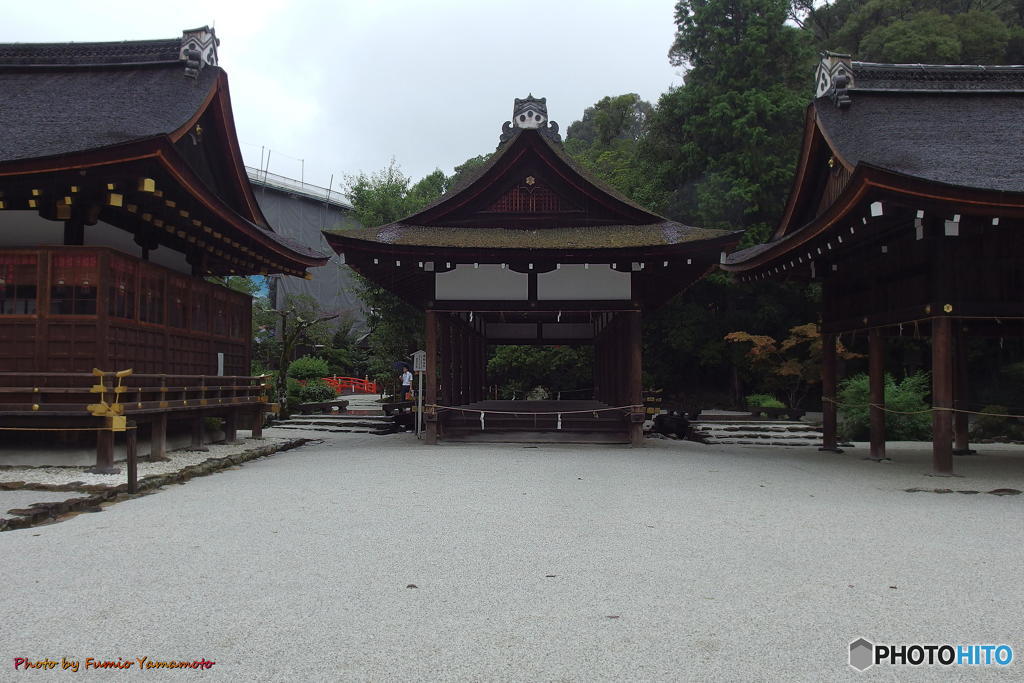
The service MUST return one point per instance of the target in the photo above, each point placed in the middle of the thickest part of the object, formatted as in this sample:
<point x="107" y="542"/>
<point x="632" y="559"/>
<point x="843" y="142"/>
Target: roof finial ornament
<point x="531" y="114"/>
<point x="834" y="77"/>
<point x="198" y="48"/>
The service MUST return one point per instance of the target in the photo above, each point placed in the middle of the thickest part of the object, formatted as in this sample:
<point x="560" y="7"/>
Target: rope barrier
<point x="594" y="411"/>
<point x="914" y="412"/>
<point x="64" y="429"/>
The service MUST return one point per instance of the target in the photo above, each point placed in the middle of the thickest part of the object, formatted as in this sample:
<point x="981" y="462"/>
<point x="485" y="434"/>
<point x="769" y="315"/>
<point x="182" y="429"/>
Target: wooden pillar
<point x="158" y="438"/>
<point x="197" y="434"/>
<point x="231" y="426"/>
<point x="131" y="447"/>
<point x="258" y="416"/>
<point x="942" y="395"/>
<point x="104" y="453"/>
<point x="430" y="393"/>
<point x="633" y="338"/>
<point x="876" y="379"/>
<point x="829" y="422"/>
<point x="961" y="400"/>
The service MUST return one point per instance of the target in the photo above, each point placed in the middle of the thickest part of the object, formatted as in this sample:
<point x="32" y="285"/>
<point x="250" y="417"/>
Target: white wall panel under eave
<point x="488" y="282"/>
<point x="578" y="282"/>
<point x="511" y="330"/>
<point x="29" y="229"/>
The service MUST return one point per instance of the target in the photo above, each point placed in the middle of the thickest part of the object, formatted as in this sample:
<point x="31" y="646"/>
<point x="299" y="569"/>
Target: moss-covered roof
<point x="590" y="237"/>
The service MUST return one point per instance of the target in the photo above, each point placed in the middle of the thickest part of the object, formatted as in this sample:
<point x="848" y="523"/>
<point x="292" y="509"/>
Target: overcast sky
<point x="349" y="84"/>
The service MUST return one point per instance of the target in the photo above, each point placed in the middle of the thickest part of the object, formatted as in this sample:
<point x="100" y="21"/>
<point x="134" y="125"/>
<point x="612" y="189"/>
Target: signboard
<point x="419" y="361"/>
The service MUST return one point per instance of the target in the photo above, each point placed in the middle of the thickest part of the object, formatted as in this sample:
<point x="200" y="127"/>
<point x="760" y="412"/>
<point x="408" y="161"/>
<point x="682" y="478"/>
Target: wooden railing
<point x="103" y="394"/>
<point x="341" y="384"/>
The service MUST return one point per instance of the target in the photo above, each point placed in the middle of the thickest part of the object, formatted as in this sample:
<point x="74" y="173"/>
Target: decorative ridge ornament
<point x="198" y="48"/>
<point x="834" y="78"/>
<point x="530" y="113"/>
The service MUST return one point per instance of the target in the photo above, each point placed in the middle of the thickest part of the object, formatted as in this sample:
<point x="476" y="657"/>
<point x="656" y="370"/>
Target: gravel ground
<point x="176" y="460"/>
<point x="679" y="561"/>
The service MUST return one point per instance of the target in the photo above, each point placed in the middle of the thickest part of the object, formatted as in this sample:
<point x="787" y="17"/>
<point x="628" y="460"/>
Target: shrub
<point x="907" y="396"/>
<point x="308" y="367"/>
<point x="764" y="401"/>
<point x="992" y="424"/>
<point x="315" y="391"/>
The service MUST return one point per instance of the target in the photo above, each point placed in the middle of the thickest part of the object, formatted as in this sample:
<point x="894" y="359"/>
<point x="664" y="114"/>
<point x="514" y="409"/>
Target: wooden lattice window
<point x="177" y="302"/>
<point x="527" y="198"/>
<point x="200" y="309"/>
<point x="219" y="315"/>
<point x="151" y="296"/>
<point x="73" y="282"/>
<point x="18" y="284"/>
<point x="121" y="287"/>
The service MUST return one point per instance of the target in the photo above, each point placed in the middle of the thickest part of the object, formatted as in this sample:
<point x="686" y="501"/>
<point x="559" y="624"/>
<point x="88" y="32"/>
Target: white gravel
<point x="177" y="460"/>
<point x="678" y="561"/>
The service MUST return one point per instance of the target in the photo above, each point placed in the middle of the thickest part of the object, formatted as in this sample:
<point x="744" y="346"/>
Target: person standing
<point x="406" y="383"/>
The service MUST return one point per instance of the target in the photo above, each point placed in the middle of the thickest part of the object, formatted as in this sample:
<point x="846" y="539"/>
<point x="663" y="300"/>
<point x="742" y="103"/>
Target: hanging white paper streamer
<point x="471" y="316"/>
<point x="559" y="421"/>
<point x="481" y="420"/>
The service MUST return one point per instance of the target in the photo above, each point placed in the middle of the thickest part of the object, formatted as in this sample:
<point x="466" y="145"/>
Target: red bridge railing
<point x="364" y="386"/>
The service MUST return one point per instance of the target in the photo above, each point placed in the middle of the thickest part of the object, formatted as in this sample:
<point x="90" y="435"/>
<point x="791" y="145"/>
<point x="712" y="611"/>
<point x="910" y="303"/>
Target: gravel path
<point x="675" y="562"/>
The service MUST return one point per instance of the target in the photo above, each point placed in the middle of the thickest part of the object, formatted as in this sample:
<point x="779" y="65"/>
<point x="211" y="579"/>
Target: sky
<point x="331" y="89"/>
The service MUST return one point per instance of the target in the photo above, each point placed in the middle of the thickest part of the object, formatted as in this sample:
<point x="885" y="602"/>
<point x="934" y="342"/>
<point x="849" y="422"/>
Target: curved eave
<point x="344" y="245"/>
<point x="160" y="150"/>
<point x="872" y="181"/>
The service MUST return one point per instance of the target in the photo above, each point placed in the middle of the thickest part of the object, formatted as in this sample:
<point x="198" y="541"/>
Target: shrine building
<point x="907" y="207"/>
<point x="121" y="189"/>
<point x="531" y="250"/>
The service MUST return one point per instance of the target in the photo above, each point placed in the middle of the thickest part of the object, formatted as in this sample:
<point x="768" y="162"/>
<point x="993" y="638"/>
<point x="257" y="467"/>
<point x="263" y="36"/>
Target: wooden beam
<point x="942" y="395"/>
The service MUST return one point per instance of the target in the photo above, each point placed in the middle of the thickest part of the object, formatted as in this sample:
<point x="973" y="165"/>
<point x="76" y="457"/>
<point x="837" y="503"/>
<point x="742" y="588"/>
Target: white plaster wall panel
<point x="568" y="330"/>
<point x="577" y="282"/>
<point x="512" y="331"/>
<point x="29" y="229"/>
<point x="487" y="282"/>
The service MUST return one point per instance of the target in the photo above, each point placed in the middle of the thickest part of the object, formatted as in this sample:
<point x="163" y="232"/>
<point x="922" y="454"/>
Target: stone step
<point x="757" y="433"/>
<point x="354" y="430"/>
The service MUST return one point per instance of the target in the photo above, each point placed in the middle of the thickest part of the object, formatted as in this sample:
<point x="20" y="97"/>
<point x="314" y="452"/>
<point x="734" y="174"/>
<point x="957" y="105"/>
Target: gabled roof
<point x="584" y="213"/>
<point x="926" y="131"/>
<point x="75" y="106"/>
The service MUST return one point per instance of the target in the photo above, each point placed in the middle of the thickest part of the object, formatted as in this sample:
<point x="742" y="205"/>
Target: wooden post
<point x="131" y="447"/>
<point x="231" y="426"/>
<point x="430" y="397"/>
<point x="876" y="379"/>
<point x="104" y="453"/>
<point x="197" y="434"/>
<point x="942" y="395"/>
<point x="257" y="421"/>
<point x="158" y="437"/>
<point x="961" y="401"/>
<point x="634" y="376"/>
<point x="829" y="422"/>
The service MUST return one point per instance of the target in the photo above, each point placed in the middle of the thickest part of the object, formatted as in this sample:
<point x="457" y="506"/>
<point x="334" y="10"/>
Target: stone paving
<point x="377" y="558"/>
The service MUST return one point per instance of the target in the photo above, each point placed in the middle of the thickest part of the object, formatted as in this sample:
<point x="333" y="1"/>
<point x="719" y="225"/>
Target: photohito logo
<point x="864" y="654"/>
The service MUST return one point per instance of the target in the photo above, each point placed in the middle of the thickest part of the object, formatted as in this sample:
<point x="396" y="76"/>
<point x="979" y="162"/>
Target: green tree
<point x="724" y="144"/>
<point x="396" y="328"/>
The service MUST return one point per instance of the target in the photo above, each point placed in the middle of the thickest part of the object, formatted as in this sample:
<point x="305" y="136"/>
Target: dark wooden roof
<point x="928" y="133"/>
<point x="68" y="107"/>
<point x="590" y="215"/>
<point x="59" y="111"/>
